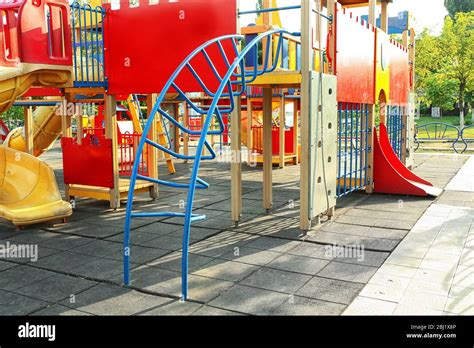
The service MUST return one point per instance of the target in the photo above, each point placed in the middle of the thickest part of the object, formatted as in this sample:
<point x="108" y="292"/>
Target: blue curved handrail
<point x="237" y="76"/>
<point x="436" y="131"/>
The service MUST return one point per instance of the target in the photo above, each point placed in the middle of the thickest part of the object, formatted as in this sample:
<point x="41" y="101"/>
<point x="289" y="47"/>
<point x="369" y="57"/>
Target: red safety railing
<point x="127" y="150"/>
<point x="257" y="140"/>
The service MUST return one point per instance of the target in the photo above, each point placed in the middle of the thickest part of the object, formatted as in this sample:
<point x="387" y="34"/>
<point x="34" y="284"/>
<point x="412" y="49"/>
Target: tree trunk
<point x="461" y="106"/>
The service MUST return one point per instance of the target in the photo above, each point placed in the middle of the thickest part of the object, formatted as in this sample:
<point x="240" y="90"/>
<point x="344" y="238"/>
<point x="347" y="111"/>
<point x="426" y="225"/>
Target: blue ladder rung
<point x="179" y="156"/>
<point x="203" y="184"/>
<point x="194" y="217"/>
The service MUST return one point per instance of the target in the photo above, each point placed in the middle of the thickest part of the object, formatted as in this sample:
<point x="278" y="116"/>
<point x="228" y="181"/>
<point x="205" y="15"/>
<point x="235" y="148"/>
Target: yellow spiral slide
<point x="29" y="193"/>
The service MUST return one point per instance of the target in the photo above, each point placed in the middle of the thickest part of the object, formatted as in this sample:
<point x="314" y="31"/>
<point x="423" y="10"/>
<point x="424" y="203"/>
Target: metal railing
<point x="88" y="45"/>
<point x="396" y="128"/>
<point x="440" y="132"/>
<point x="352" y="147"/>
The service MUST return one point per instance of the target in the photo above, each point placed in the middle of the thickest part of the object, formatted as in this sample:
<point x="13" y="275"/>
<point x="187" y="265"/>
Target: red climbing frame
<point x="145" y="44"/>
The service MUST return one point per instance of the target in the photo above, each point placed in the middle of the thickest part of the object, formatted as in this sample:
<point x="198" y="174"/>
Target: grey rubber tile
<point x="276" y="280"/>
<point x="16" y="304"/>
<point x="250" y="300"/>
<point x="330" y="290"/>
<point x="56" y="288"/>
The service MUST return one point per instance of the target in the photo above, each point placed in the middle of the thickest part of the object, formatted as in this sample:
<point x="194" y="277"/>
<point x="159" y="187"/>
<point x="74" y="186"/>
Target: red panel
<point x="34" y="32"/>
<point x="88" y="164"/>
<point x="355" y="60"/>
<point x="399" y="74"/>
<point x="145" y="44"/>
<point x="390" y="175"/>
<point x="43" y="92"/>
<point x="9" y="42"/>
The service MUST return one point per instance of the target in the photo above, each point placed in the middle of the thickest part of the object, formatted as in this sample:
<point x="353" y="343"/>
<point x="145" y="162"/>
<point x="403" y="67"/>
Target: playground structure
<point x="211" y="83"/>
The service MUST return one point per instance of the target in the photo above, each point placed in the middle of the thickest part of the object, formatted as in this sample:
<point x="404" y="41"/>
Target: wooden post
<point x="236" y="164"/>
<point x="267" y="148"/>
<point x="176" y="129"/>
<point x="282" y="132"/>
<point x="66" y="131"/>
<point x="331" y="7"/>
<point x="111" y="133"/>
<point x="384" y="17"/>
<point x="306" y="68"/>
<point x="267" y="20"/>
<point x="152" y="152"/>
<point x="296" y="131"/>
<point x="79" y="135"/>
<point x="372" y="12"/>
<point x="370" y="159"/>
<point x="186" y="135"/>
<point x="28" y="111"/>
<point x="249" y="129"/>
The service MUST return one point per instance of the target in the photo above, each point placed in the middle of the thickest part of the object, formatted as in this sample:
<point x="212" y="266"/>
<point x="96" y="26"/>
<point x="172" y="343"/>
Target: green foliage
<point x="445" y="64"/>
<point x="13" y="113"/>
<point x="455" y="6"/>
<point x="259" y="4"/>
<point x="441" y="91"/>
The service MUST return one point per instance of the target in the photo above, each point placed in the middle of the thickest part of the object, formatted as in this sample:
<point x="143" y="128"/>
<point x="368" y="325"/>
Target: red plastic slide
<point x="391" y="175"/>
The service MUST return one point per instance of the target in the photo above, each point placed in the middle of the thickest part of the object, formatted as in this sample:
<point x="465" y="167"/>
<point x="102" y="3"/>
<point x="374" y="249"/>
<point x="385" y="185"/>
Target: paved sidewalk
<point x="431" y="272"/>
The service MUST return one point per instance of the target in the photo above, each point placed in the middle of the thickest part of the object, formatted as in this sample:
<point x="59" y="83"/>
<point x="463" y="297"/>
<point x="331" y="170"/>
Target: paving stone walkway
<point x="266" y="265"/>
<point x="431" y="272"/>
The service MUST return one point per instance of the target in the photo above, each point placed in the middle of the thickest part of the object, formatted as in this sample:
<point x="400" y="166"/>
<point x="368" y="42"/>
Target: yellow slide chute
<point x="28" y="190"/>
<point x="29" y="193"/>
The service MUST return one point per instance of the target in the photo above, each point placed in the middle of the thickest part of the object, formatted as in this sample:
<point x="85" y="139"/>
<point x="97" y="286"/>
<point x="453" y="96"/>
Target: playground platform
<point x="265" y="266"/>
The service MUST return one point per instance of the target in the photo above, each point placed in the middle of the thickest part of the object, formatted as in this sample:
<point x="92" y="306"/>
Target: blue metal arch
<point x="237" y="77"/>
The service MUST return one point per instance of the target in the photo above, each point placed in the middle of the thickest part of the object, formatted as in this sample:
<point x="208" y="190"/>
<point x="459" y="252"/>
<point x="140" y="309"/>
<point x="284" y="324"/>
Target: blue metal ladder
<point x="233" y="84"/>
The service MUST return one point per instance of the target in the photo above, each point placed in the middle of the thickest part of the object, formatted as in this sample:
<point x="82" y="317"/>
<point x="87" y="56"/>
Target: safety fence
<point x="436" y="133"/>
<point x="396" y="128"/>
<point x="127" y="151"/>
<point x="353" y="147"/>
<point x="88" y="45"/>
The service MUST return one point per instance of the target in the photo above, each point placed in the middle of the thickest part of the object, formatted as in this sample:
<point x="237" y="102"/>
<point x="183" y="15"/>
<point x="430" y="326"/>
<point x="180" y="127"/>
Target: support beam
<point x="282" y="132"/>
<point x="249" y="130"/>
<point x="80" y="131"/>
<point x="296" y="131"/>
<point x="176" y="129"/>
<point x="331" y="8"/>
<point x="111" y="133"/>
<point x="373" y="12"/>
<point x="28" y="111"/>
<point x="236" y="164"/>
<point x="384" y="17"/>
<point x="66" y="131"/>
<point x="370" y="160"/>
<point x="152" y="152"/>
<point x="267" y="21"/>
<point x="186" y="135"/>
<point x="267" y="149"/>
<point x="307" y="24"/>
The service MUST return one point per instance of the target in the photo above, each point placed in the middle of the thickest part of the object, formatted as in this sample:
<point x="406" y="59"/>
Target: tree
<point x="259" y="4"/>
<point x="457" y="46"/>
<point x="445" y="64"/>
<point x="455" y="6"/>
